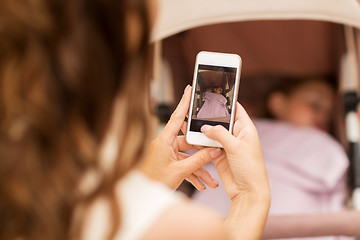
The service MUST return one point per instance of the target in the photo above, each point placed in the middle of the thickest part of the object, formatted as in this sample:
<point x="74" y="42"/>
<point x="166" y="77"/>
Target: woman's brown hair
<point x="62" y="66"/>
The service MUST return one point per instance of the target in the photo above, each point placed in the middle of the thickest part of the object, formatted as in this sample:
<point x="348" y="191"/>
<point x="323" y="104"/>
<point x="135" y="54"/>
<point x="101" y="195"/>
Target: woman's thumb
<point x="200" y="158"/>
<point x="220" y="134"/>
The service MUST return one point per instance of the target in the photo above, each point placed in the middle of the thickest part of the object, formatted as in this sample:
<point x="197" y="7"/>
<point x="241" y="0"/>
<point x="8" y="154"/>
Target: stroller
<point x="274" y="38"/>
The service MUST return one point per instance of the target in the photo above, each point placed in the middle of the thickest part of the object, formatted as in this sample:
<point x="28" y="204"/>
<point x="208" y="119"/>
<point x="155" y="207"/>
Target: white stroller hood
<point x="179" y="15"/>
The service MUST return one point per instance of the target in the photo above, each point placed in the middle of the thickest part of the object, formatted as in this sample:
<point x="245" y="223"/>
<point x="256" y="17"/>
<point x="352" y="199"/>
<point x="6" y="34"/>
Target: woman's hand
<point x="165" y="160"/>
<point x="242" y="171"/>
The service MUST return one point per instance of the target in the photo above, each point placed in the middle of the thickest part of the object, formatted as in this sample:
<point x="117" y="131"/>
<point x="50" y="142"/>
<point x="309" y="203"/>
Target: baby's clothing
<point x="142" y="202"/>
<point x="306" y="169"/>
<point x="214" y="106"/>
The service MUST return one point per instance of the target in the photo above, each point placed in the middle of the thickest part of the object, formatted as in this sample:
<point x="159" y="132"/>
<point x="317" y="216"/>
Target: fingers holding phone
<point x="166" y="161"/>
<point x="242" y="170"/>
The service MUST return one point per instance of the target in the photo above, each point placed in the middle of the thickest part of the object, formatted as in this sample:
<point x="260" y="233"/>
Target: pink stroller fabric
<point x="306" y="169"/>
<point x="214" y="106"/>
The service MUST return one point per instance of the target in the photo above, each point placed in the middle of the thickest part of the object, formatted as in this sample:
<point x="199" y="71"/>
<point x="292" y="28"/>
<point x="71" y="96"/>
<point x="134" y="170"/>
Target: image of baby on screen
<point x="213" y="97"/>
<point x="214" y="105"/>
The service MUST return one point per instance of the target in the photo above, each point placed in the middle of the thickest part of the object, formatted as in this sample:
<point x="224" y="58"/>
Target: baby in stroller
<point x="306" y="165"/>
<point x="214" y="104"/>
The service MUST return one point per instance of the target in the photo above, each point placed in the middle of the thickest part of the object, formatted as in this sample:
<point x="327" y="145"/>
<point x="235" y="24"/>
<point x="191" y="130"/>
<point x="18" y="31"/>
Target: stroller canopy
<point x="180" y="15"/>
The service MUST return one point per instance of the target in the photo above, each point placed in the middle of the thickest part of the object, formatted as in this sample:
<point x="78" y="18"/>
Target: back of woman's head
<point x="62" y="64"/>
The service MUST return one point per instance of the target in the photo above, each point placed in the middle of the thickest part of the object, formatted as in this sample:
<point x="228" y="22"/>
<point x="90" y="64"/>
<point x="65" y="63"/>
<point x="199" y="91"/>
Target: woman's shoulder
<point x="164" y="214"/>
<point x="135" y="186"/>
<point x="188" y="220"/>
<point x="150" y="210"/>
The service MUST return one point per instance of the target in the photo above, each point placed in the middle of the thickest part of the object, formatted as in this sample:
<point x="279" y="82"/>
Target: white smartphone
<point x="214" y="95"/>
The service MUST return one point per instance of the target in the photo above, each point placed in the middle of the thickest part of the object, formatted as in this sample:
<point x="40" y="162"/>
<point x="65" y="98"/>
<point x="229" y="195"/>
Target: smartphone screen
<point x="213" y="99"/>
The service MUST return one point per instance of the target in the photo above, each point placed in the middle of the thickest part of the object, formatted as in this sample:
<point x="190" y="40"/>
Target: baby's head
<point x="304" y="102"/>
<point x="218" y="90"/>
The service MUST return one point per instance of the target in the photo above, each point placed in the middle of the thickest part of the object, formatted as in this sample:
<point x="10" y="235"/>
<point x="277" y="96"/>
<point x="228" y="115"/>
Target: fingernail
<point x="205" y="128"/>
<point x="187" y="87"/>
<point x="215" y="153"/>
<point x="216" y="182"/>
<point x="203" y="186"/>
